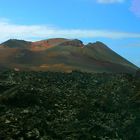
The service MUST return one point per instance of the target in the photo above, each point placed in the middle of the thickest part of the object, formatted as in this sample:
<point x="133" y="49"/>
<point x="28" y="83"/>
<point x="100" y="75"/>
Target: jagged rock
<point x="33" y="134"/>
<point x="21" y="138"/>
<point x="7" y="121"/>
<point x="25" y="111"/>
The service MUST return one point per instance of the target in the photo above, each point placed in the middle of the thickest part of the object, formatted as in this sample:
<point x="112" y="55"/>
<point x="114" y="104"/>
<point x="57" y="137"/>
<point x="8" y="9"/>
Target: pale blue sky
<point x="114" y="22"/>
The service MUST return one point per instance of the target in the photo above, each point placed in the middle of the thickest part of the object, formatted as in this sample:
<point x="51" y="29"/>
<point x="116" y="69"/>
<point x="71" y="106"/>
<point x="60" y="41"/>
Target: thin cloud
<point x="110" y="1"/>
<point x="135" y="8"/>
<point x="34" y="32"/>
<point x="132" y="45"/>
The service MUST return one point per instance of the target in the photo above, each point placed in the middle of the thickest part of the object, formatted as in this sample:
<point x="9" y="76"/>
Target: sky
<point x="113" y="22"/>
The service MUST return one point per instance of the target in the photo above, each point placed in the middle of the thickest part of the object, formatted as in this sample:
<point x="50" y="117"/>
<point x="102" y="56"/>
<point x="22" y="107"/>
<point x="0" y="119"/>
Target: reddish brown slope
<point x="45" y="44"/>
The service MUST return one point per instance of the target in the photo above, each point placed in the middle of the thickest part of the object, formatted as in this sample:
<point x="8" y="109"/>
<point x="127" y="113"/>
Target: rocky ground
<point x="72" y="106"/>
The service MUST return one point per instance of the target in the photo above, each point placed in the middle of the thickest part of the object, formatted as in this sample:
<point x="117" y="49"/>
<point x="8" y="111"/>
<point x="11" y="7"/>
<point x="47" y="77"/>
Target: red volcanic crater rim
<point x="44" y="44"/>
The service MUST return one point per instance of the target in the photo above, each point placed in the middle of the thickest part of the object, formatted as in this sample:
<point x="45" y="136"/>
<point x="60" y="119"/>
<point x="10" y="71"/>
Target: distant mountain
<point x="61" y="54"/>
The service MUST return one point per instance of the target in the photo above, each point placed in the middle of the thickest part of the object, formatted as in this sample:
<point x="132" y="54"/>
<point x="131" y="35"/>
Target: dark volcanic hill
<point x="14" y="43"/>
<point x="61" y="54"/>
